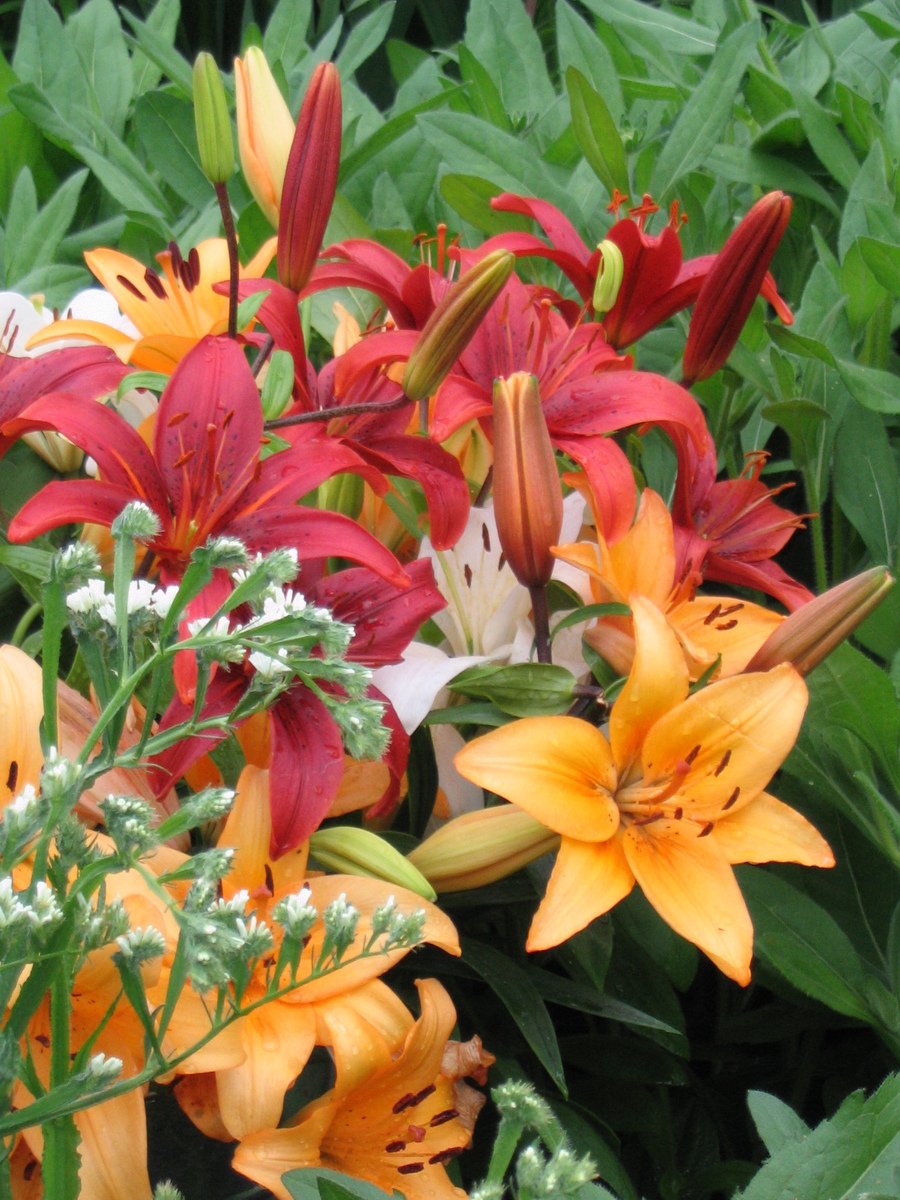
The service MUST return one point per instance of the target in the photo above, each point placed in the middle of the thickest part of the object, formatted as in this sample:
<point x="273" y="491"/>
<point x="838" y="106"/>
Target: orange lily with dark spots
<point x="670" y="798"/>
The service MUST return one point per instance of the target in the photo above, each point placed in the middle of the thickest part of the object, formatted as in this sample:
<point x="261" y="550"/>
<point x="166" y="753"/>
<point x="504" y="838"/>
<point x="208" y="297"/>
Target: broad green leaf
<point x="96" y="34"/>
<point x="586" y="999"/>
<point x="866" y="484"/>
<point x="869" y="209"/>
<point x="153" y="40"/>
<point x="364" y="39"/>
<point x="874" y="389"/>
<point x="800" y="941"/>
<point x="829" y="145"/>
<point x="513" y="986"/>
<point x="45" y="57"/>
<point x="768" y="171"/>
<point x="20" y="139"/>
<point x="883" y="260"/>
<point x="655" y="26"/>
<point x="164" y="124"/>
<point x="522" y="690"/>
<point x="482" y="91"/>
<point x="318" y="1183"/>
<point x="799" y="343"/>
<point x="776" y="1122"/>
<point x="501" y="33"/>
<point x="578" y="46"/>
<point x="361" y="156"/>
<point x="471" y="198"/>
<point x="162" y="21"/>
<point x="26" y="560"/>
<point x="703" y="120"/>
<point x="286" y="31"/>
<point x="35" y="242"/>
<point x="855" y="1155"/>
<point x="597" y="133"/>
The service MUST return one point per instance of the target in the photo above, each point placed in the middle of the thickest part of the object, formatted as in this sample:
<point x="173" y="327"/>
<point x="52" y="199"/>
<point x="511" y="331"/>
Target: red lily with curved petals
<point x="656" y="282"/>
<point x="204" y="475"/>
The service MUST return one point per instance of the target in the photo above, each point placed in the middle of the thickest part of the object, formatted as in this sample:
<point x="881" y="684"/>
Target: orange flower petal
<point x="734" y="735"/>
<point x="362" y="1028"/>
<point x="247" y="830"/>
<point x="90" y="331"/>
<point x="21" y="713"/>
<point x="658" y="682"/>
<point x="765" y="830"/>
<point x="710" y="626"/>
<point x="588" y="878"/>
<point x="690" y="883"/>
<point x="558" y="769"/>
<point x="643" y="561"/>
<point x="278" y="1039"/>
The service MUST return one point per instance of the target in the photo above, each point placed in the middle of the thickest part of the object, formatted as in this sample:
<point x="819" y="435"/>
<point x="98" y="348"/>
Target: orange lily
<point x="348" y="1009"/>
<point x="171" y="311"/>
<point x="643" y="563"/>
<point x="670" y="798"/>
<point x="396" y="1125"/>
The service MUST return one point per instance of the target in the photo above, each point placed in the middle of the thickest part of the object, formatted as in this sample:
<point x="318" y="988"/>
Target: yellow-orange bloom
<point x="670" y="798"/>
<point x="265" y="130"/>
<point x="643" y="563"/>
<point x="347" y="1009"/>
<point x="396" y="1124"/>
<point x="171" y="311"/>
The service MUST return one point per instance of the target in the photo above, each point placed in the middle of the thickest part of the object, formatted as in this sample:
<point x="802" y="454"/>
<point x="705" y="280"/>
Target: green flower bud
<point x="213" y="123"/>
<point x="610" y="273"/>
<point x="352" y="851"/>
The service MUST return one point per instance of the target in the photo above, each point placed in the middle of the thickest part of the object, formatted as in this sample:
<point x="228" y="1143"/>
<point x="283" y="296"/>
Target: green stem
<point x="541" y="615"/>
<point x="25" y="623"/>
<point x="505" y="1143"/>
<point x="816" y="530"/>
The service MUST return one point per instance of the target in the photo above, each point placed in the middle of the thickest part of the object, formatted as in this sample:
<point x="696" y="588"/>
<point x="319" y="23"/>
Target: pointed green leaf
<point x="597" y="134"/>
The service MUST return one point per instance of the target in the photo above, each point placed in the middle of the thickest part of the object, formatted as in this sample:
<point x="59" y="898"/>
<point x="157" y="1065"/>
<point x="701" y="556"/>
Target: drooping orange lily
<point x="670" y="798"/>
<point x="171" y="310"/>
<point x="396" y="1125"/>
<point x="643" y="562"/>
<point x="349" y="1009"/>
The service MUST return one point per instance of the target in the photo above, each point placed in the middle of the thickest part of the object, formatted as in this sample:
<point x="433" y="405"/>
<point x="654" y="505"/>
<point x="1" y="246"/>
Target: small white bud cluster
<point x="99" y="926"/>
<point x="59" y="775"/>
<point x="396" y="928"/>
<point x="76" y="563"/>
<point x="222" y="939"/>
<point x="518" y="1101"/>
<point x="296" y="915"/>
<point x="224" y="553"/>
<point x="340" y="920"/>
<point x="21" y="912"/>
<point x="136" y="521"/>
<point x="21" y="821"/>
<point x="563" y="1174"/>
<point x="103" y="1068"/>
<point x="141" y="945"/>
<point x="129" y="822"/>
<point x="276" y="568"/>
<point x="166" y="1190"/>
<point x="93" y="609"/>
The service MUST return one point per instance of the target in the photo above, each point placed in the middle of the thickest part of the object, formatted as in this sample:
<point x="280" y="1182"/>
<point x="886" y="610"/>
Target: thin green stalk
<point x="25" y="623"/>
<point x="820" y="562"/>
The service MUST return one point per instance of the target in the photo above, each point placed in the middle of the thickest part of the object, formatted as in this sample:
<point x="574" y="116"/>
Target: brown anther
<point x="726" y="758"/>
<point x="443" y="1156"/>
<point x="270" y="879"/>
<point x="678" y="813"/>
<point x="693" y="754"/>
<point x="12" y="776"/>
<point x="707" y="829"/>
<point x="155" y="284"/>
<point x="726" y="625"/>
<point x="395" y="1147"/>
<point x="467" y="572"/>
<point x="732" y="799"/>
<point x="130" y="287"/>
<point x="485" y="539"/>
<point x="410" y="1168"/>
<point x="442" y="1118"/>
<point x="193" y="268"/>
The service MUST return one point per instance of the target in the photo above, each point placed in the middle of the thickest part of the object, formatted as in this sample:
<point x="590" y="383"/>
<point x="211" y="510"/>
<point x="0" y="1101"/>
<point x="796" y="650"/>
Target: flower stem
<point x="233" y="263"/>
<point x="541" y="622"/>
<point x="339" y="410"/>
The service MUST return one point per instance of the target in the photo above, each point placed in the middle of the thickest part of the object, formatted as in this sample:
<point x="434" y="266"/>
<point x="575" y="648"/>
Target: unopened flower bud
<point x="610" y="273"/>
<point x="481" y="847"/>
<point x="310" y="178"/>
<point x="527" y="492"/>
<point x="136" y="520"/>
<point x="811" y="632"/>
<point x="734" y="280"/>
<point x="455" y="318"/>
<point x="265" y="130"/>
<point x="212" y="120"/>
<point x="352" y="851"/>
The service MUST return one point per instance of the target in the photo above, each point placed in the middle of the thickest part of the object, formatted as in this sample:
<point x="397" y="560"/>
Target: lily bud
<point x="212" y="120"/>
<point x="811" y="632"/>
<point x="450" y="327"/>
<point x="733" y="282"/>
<point x="310" y="178"/>
<point x="527" y="494"/>
<point x="353" y="851"/>
<point x="481" y="847"/>
<point x="265" y="130"/>
<point x="610" y="273"/>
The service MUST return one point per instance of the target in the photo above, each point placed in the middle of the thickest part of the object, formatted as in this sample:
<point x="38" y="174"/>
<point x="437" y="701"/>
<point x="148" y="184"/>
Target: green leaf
<point x="20" y="140"/>
<point x="513" y="986"/>
<point x="705" y="116"/>
<point x="286" y="33"/>
<point x="776" y="1122"/>
<point x="768" y="171"/>
<point x="163" y="22"/>
<point x="153" y="40"/>
<point x="587" y="612"/>
<point x="45" y="57"/>
<point x="797" y="938"/>
<point x="482" y="91"/>
<point x="364" y="39"/>
<point x="165" y="127"/>
<point x="883" y="260"/>
<point x="651" y="26"/>
<point x="799" y="343"/>
<point x="97" y="36"/>
<point x="26" y="560"/>
<point x="874" y="389"/>
<point x="317" y="1183"/>
<point x="36" y="243"/>
<point x="596" y="131"/>
<point x="855" y="1155"/>
<point x="501" y="33"/>
<point x="471" y="198"/>
<point x="829" y="146"/>
<point x="866" y="484"/>
<point x="578" y="46"/>
<point x="522" y="690"/>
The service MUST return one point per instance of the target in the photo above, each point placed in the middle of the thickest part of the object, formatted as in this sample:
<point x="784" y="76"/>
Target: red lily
<point x="585" y="387"/>
<point x="729" y="530"/>
<point x="88" y="372"/>
<point x="203" y="475"/>
<point x="656" y="282"/>
<point x="304" y="752"/>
